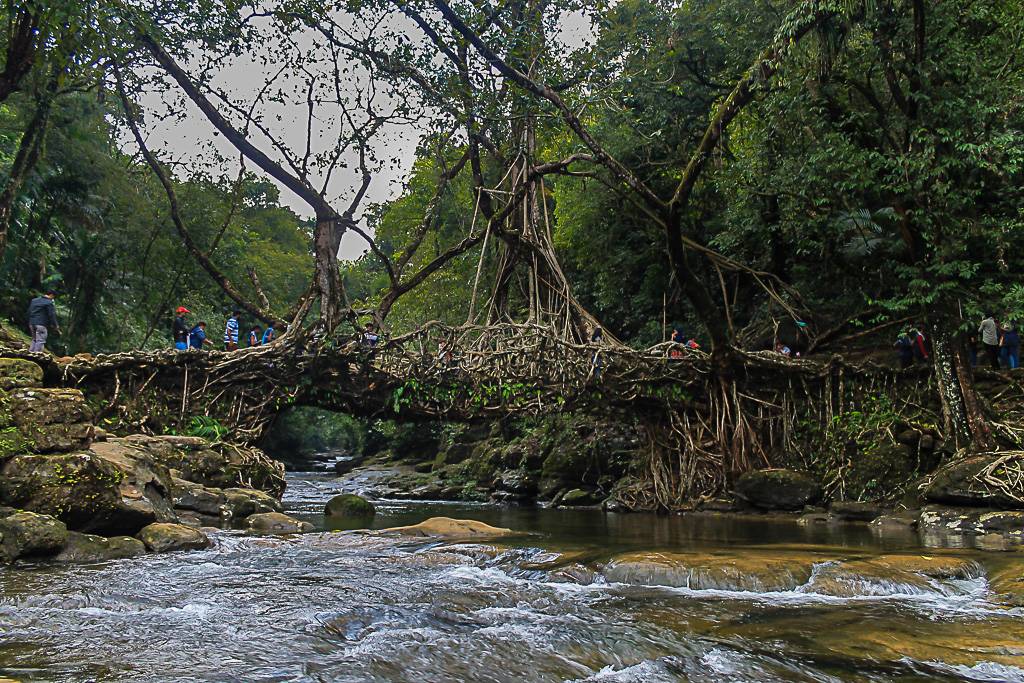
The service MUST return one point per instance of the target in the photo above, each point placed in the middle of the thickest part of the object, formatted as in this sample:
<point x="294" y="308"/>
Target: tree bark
<point x="965" y="425"/>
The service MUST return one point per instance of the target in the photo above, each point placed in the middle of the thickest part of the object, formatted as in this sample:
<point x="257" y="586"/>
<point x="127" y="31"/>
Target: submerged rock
<point x="349" y="505"/>
<point x="777" y="489"/>
<point x="448" y="528"/>
<point x="90" y="548"/>
<point x="960" y="483"/>
<point x="751" y="571"/>
<point x="28" y="534"/>
<point x="276" y="523"/>
<point x="163" y="538"/>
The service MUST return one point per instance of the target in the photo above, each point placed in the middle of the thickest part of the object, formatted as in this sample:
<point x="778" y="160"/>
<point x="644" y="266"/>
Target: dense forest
<point x="721" y="167"/>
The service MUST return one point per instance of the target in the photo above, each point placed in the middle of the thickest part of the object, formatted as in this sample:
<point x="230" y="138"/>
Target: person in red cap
<point x="180" y="329"/>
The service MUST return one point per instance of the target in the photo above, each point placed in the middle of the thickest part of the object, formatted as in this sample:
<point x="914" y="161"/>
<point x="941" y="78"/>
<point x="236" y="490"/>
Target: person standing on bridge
<point x="596" y="360"/>
<point x="42" y="317"/>
<point x="269" y="334"/>
<point x="989" y="331"/>
<point x="197" y="337"/>
<point x="231" y="332"/>
<point x="255" y="335"/>
<point x="180" y="329"/>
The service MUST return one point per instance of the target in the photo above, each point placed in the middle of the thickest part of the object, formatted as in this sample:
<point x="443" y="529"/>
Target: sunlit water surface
<point x="336" y="606"/>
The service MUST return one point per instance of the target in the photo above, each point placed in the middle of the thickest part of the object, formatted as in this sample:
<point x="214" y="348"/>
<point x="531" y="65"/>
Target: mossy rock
<point x="276" y="523"/>
<point x="240" y="503"/>
<point x="111" y="490"/>
<point x="17" y="373"/>
<point x="960" y="483"/>
<point x="349" y="505"/>
<point x="28" y="534"/>
<point x="778" y="489"/>
<point x="165" y="538"/>
<point x="90" y="548"/>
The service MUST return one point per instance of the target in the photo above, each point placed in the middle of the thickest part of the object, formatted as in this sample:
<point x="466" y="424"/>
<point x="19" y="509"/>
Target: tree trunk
<point x="328" y="279"/>
<point x="965" y="425"/>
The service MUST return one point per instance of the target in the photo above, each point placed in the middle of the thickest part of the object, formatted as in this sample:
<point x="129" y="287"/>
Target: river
<point x="358" y="607"/>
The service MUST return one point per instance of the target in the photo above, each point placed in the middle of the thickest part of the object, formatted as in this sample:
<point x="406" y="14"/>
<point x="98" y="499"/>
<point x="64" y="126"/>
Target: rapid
<point x="584" y="596"/>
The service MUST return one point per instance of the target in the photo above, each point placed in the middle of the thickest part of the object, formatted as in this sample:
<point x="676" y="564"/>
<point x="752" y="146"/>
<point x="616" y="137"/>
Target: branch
<point x="172" y="198"/>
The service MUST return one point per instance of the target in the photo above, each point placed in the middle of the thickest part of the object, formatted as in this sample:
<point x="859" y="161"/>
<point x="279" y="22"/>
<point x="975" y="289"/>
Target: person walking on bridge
<point x="231" y="332"/>
<point x="989" y="332"/>
<point x="180" y="329"/>
<point x="255" y="334"/>
<point x="42" y="317"/>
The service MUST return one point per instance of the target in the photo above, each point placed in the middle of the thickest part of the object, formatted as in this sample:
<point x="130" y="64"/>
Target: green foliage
<point x="207" y="428"/>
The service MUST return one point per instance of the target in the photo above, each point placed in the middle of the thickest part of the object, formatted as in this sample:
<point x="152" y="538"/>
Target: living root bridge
<point x="703" y="427"/>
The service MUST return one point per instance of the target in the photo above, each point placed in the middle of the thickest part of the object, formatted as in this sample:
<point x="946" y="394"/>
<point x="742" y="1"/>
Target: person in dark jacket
<point x="905" y="349"/>
<point x="180" y="330"/>
<point x="42" y="317"/>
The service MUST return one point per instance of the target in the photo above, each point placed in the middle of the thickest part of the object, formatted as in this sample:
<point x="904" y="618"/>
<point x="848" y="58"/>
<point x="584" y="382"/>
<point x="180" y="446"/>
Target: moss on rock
<point x="349" y="505"/>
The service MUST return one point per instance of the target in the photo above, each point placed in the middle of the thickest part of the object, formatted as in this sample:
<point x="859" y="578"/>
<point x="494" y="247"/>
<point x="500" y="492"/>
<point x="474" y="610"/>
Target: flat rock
<point x="747" y="571"/>
<point x="448" y="528"/>
<point x="165" y="537"/>
<point x="276" y="523"/>
<point x="90" y="548"/>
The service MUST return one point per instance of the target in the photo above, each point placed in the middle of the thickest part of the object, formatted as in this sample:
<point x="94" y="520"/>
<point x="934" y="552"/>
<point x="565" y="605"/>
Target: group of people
<point x="1000" y="342"/>
<point x="194" y="336"/>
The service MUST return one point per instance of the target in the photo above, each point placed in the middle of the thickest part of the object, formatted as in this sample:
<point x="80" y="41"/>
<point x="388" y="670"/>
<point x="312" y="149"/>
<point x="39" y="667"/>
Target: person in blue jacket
<point x="197" y="337"/>
<point x="268" y="334"/>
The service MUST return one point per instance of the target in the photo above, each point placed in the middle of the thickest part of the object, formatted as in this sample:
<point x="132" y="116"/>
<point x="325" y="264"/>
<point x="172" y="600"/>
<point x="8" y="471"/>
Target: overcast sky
<point x="189" y="139"/>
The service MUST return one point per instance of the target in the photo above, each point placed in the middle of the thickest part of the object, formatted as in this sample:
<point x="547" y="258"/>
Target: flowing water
<point x="341" y="606"/>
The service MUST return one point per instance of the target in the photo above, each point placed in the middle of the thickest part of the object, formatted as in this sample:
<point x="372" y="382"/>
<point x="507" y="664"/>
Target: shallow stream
<point x="544" y="607"/>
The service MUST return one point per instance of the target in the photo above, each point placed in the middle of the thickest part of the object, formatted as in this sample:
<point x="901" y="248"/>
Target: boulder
<point x="276" y="523"/>
<point x="110" y="489"/>
<point x="453" y="529"/>
<point x="1002" y="521"/>
<point x="579" y="498"/>
<point x="44" y="421"/>
<point x="220" y="466"/>
<point x="164" y="538"/>
<point x="777" y="489"/>
<point x="850" y="511"/>
<point x="907" y="519"/>
<point x="948" y="519"/>
<point x="349" y="505"/>
<point x="90" y="548"/>
<point x="520" y="484"/>
<point x="28" y="534"/>
<point x="17" y="373"/>
<point x="240" y="503"/>
<point x="198" y="498"/>
<point x="960" y="483"/>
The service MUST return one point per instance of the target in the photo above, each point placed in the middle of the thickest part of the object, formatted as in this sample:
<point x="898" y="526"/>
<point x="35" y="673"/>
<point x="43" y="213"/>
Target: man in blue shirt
<point x="268" y="334"/>
<point x="197" y="337"/>
<point x="231" y="332"/>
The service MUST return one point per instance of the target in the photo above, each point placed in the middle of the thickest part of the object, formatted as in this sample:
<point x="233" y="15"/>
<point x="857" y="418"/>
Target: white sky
<point x="189" y="139"/>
